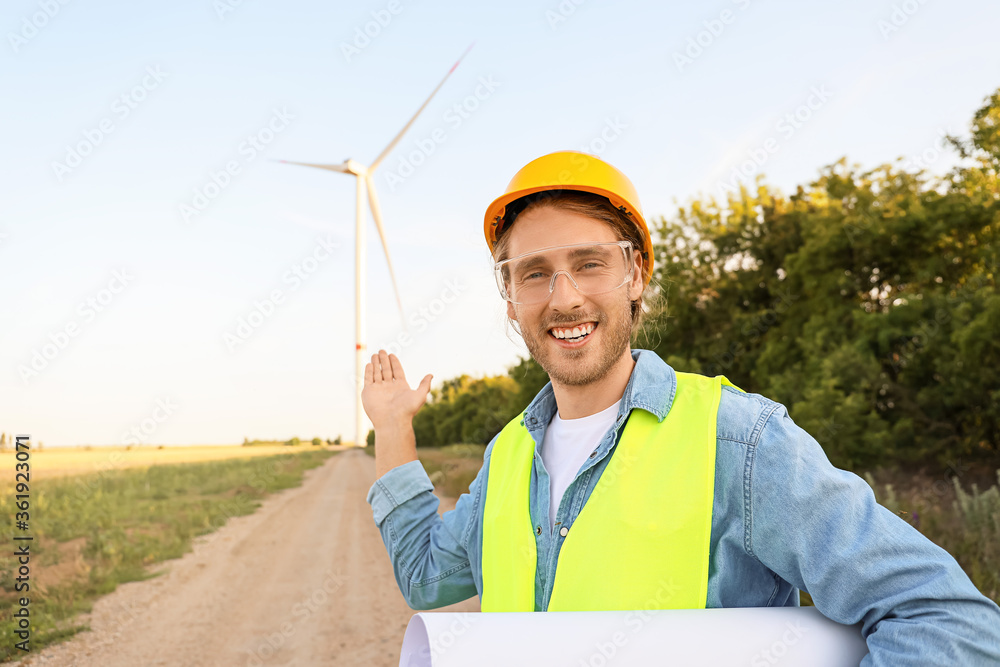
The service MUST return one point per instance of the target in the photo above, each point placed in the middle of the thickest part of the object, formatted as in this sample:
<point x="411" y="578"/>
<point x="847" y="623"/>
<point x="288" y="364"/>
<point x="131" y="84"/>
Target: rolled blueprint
<point x="757" y="637"/>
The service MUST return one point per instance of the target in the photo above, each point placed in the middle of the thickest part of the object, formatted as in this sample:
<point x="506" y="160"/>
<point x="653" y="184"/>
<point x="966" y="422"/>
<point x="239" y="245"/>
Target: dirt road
<point x="305" y="580"/>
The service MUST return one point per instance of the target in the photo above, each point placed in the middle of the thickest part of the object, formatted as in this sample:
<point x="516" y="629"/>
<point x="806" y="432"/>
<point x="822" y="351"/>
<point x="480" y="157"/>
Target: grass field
<point x="96" y="530"/>
<point x="451" y="468"/>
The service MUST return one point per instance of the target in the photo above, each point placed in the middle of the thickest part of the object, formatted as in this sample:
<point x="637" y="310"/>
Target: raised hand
<point x="387" y="397"/>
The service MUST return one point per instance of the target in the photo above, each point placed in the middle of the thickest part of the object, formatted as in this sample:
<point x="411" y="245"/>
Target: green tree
<point x="466" y="410"/>
<point x="530" y="379"/>
<point x="864" y="302"/>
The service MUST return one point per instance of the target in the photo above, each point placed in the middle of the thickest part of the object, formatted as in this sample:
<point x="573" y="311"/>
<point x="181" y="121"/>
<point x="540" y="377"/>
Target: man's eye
<point x="536" y="275"/>
<point x="592" y="265"/>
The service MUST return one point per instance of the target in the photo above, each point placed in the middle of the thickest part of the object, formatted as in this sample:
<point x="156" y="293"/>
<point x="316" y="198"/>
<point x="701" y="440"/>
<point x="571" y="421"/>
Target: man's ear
<point x="635" y="286"/>
<point x="511" y="313"/>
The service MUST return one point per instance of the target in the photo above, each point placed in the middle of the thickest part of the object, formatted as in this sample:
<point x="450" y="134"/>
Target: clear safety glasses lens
<point x="592" y="268"/>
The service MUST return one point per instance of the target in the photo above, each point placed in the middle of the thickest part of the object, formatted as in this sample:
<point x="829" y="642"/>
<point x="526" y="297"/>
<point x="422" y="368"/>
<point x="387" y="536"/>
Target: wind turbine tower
<point x="366" y="185"/>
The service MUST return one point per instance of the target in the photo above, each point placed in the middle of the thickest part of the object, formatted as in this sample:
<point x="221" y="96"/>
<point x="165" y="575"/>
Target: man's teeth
<point x="575" y="332"/>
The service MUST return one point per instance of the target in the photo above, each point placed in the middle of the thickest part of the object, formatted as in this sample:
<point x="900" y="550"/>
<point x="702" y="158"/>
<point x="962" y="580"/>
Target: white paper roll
<point x="757" y="637"/>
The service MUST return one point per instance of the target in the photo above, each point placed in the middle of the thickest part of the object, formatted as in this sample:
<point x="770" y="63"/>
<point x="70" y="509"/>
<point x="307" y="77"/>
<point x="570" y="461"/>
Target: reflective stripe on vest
<point x="641" y="540"/>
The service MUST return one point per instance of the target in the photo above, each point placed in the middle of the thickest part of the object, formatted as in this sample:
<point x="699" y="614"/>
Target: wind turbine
<point x="365" y="182"/>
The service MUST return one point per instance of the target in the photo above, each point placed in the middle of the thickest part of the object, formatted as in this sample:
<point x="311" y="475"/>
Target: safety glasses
<point x="592" y="268"/>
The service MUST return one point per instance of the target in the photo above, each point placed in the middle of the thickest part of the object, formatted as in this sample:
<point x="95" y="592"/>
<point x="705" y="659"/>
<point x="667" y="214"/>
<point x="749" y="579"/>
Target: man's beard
<point x="565" y="366"/>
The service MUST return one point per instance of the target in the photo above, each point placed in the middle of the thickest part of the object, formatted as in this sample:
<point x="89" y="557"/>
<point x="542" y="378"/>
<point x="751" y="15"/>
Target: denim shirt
<point x="784" y="519"/>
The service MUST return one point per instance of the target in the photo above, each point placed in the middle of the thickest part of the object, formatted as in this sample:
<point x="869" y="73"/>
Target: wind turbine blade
<point x="377" y="214"/>
<point x="406" y="127"/>
<point x="329" y="167"/>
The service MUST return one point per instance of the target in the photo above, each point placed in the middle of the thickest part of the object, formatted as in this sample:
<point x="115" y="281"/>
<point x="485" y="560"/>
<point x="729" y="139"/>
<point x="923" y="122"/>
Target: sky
<point x="166" y="280"/>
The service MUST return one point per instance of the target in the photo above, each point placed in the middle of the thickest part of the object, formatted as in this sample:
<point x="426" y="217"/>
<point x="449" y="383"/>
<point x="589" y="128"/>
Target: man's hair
<point x="585" y="203"/>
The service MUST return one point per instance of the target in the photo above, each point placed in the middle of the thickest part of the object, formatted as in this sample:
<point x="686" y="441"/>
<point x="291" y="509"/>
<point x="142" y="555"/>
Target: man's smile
<point x="572" y="336"/>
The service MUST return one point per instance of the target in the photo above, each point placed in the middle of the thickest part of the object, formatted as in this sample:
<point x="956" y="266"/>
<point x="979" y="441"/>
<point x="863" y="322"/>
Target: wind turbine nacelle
<point x="355" y="167"/>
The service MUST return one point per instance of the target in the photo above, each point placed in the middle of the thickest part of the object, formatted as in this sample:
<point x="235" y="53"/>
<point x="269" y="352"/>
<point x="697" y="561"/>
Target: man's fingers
<point x="376" y="369"/>
<point x="383" y="359"/>
<point x="397" y="368"/>
<point x="369" y="377"/>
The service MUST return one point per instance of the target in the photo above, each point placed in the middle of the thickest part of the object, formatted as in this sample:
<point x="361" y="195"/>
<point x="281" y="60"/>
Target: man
<point x="625" y="482"/>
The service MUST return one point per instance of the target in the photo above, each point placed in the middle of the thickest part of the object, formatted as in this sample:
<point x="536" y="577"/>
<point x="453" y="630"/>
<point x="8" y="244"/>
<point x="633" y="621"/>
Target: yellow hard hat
<point x="572" y="170"/>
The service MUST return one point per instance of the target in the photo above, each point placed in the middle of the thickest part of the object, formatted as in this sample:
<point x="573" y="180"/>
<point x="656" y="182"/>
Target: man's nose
<point x="565" y="294"/>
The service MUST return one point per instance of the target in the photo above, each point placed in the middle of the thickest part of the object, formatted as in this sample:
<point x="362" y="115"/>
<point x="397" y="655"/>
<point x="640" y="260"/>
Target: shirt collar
<point x="651" y="387"/>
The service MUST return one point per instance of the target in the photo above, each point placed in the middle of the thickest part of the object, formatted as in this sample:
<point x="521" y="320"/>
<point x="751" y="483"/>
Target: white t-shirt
<point x="567" y="444"/>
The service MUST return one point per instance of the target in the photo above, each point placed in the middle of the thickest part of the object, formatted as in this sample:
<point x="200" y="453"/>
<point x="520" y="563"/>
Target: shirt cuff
<point x="396" y="487"/>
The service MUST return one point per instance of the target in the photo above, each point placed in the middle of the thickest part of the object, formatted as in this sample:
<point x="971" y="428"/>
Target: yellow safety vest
<point x="641" y="540"/>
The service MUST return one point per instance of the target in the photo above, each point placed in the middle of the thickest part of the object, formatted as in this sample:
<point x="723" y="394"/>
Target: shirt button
<point x="563" y="531"/>
<point x="538" y="530"/>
